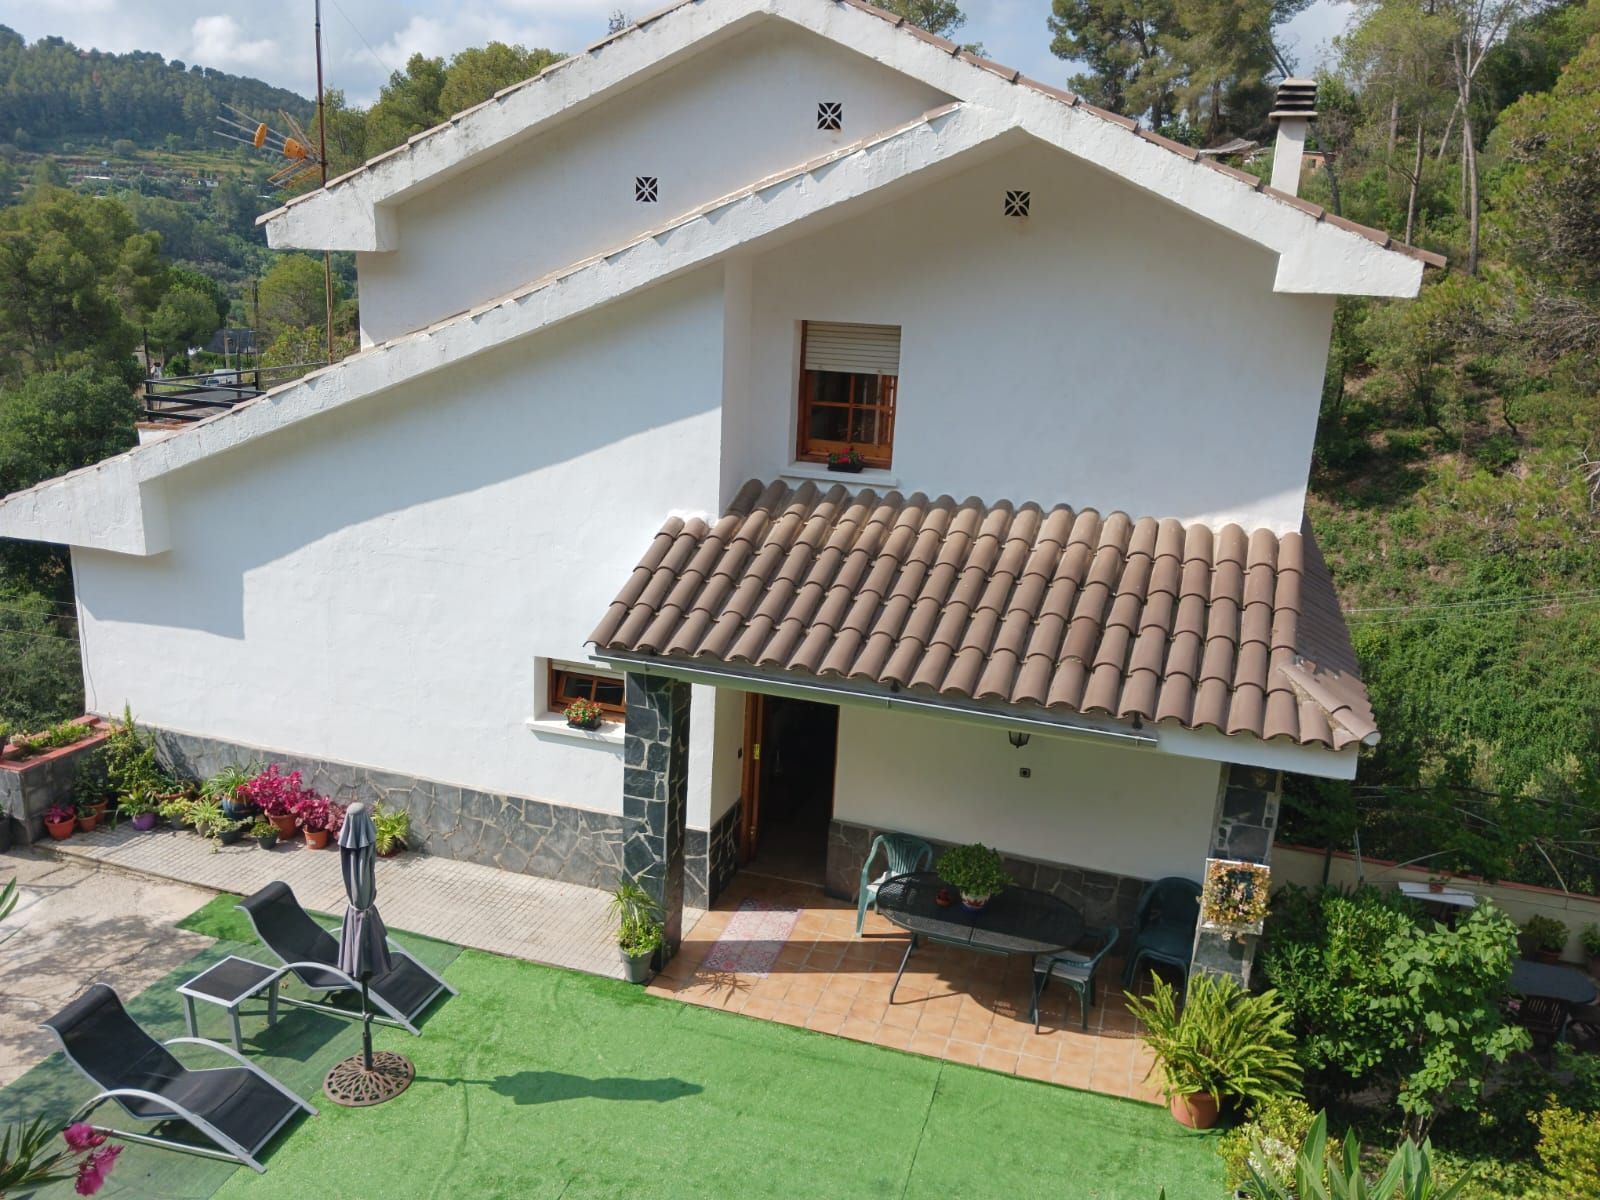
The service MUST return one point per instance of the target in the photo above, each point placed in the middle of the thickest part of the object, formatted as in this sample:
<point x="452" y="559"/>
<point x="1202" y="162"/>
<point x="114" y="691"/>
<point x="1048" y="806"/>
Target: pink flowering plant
<point x="27" y="1162"/>
<point x="274" y="793"/>
<point x="57" y="813"/>
<point x="317" y="813"/>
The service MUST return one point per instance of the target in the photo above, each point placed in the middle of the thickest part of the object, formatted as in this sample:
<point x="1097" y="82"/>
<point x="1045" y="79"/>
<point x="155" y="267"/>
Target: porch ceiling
<point x="1059" y="612"/>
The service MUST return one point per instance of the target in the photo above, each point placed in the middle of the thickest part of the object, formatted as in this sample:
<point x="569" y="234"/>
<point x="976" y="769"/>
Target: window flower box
<point x="1234" y="896"/>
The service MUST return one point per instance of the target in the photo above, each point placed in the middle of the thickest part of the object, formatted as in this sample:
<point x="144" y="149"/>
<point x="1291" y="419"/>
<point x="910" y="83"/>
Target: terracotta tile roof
<point x="1009" y="74"/>
<point x="1062" y="610"/>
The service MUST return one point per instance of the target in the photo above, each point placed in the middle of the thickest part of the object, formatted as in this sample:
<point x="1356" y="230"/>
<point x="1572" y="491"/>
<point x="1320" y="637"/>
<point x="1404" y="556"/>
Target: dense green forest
<point x="1456" y="478"/>
<point x="51" y="90"/>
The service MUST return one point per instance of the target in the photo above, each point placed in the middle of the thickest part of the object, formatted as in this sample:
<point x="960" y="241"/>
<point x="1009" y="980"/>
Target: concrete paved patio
<point x="76" y="923"/>
<point x="521" y="916"/>
<point x="951" y="1004"/>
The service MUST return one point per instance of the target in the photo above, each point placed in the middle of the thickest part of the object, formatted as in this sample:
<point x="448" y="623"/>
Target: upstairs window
<point x="848" y="379"/>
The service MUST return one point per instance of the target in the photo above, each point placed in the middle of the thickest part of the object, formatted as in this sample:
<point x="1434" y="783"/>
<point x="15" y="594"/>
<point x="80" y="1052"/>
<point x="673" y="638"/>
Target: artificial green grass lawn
<point x="537" y="1082"/>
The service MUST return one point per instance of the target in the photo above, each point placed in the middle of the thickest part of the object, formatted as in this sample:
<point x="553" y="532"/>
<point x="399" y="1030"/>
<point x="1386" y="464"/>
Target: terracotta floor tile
<point x="859" y="1029"/>
<point x="1008" y="1035"/>
<point x="1036" y="1068"/>
<point x="825" y="1022"/>
<point x="935" y="1024"/>
<point x="804" y="994"/>
<point x="929" y="1044"/>
<point x="793" y="1014"/>
<point x="971" y="1031"/>
<point x="902" y="1016"/>
<point x="865" y="1010"/>
<point x="997" y="1059"/>
<point x="889" y="1035"/>
<point x="876" y="989"/>
<point x="1039" y="1046"/>
<point x="1109" y="1083"/>
<point x="1071" y="1074"/>
<point x="962" y="1052"/>
<point x="759" y="1006"/>
<point x="834" y="1000"/>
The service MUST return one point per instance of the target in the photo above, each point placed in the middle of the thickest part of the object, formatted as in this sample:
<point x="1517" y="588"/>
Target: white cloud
<point x="218" y="41"/>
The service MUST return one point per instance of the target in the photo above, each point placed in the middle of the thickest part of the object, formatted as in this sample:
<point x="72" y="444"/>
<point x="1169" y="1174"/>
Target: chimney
<point x="1296" y="108"/>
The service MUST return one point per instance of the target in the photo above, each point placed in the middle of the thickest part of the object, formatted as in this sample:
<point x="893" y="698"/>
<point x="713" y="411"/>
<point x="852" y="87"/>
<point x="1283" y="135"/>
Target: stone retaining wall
<point x="28" y="786"/>
<point x="513" y="833"/>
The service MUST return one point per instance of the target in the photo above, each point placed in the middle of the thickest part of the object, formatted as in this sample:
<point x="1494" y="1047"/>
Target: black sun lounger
<point x="312" y="954"/>
<point x="238" y="1108"/>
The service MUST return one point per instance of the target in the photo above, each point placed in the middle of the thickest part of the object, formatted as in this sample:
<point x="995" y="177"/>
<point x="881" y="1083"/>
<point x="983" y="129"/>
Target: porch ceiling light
<point x="1017" y="740"/>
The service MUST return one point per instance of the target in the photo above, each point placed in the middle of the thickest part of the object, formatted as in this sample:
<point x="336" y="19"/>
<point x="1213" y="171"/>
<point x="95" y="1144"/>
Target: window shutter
<point x="853" y="349"/>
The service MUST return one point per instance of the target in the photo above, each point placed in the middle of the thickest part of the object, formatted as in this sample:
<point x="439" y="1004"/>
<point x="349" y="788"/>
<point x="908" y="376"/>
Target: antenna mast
<point x="322" y="155"/>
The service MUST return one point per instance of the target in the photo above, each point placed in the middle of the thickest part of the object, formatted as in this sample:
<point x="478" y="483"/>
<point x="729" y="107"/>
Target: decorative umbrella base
<point x="350" y="1083"/>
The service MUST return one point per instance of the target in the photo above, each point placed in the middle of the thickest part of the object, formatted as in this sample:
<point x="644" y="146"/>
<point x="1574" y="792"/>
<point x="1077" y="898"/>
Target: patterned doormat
<point x="755" y="935"/>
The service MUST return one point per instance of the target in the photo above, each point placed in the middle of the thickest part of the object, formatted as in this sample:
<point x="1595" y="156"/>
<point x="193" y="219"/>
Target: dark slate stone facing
<point x="711" y="858"/>
<point x="512" y="833"/>
<point x="1102" y="897"/>
<point x="1246" y="822"/>
<point x="29" y="788"/>
<point x="655" y="795"/>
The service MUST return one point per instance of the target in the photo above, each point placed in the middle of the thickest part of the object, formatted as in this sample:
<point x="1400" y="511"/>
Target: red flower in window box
<point x="847" y="461"/>
<point x="584" y="714"/>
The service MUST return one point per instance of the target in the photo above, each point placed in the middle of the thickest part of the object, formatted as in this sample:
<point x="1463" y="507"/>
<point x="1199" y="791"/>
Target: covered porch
<point x="801" y="963"/>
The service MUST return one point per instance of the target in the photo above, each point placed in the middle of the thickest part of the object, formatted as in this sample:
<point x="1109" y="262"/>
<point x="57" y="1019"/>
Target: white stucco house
<point x="614" y="321"/>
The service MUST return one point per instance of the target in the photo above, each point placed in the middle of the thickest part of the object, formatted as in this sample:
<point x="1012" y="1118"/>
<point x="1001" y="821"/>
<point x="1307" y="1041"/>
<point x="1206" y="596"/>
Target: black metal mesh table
<point x="1017" y="921"/>
<point x="228" y="984"/>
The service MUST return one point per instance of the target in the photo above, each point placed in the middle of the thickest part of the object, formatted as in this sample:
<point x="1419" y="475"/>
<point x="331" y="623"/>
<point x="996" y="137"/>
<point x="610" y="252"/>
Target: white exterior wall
<point x="375" y="586"/>
<point x="704" y="128"/>
<point x="1104" y="808"/>
<point x="1109" y="351"/>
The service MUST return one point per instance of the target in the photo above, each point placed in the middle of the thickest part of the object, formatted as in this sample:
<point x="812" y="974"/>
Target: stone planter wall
<point x="1103" y="899"/>
<point x="28" y="786"/>
<point x="513" y="833"/>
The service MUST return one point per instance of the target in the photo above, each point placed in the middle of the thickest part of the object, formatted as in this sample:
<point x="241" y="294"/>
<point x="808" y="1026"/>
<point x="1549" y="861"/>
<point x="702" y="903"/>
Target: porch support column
<point x="655" y="777"/>
<point x="1245" y="824"/>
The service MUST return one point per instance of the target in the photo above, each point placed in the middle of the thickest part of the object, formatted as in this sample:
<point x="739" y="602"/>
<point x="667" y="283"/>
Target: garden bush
<point x="1569" y="1148"/>
<point x="1270" y="1140"/>
<point x="1381" y="997"/>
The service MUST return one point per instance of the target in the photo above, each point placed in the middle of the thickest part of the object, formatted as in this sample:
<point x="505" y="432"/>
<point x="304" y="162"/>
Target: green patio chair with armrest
<point x="1163" y="925"/>
<point x="903" y="853"/>
<point x="1075" y="968"/>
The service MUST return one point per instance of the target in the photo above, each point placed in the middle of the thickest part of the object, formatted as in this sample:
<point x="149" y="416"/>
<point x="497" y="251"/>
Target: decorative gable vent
<point x="645" y="189"/>
<point x="830" y="115"/>
<point x="1017" y="203"/>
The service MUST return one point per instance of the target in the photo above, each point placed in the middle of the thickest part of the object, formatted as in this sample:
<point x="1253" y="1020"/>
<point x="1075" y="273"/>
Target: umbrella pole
<point x="366" y="1023"/>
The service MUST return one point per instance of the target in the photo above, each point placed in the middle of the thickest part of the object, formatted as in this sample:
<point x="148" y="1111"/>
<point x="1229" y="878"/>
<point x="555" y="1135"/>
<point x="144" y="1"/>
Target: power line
<point x="1534" y="596"/>
<point x="387" y="70"/>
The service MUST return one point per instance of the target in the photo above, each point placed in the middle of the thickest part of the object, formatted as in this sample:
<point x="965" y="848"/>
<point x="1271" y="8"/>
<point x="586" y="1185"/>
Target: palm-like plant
<point x="1224" y="1041"/>
<point x="1409" y="1175"/>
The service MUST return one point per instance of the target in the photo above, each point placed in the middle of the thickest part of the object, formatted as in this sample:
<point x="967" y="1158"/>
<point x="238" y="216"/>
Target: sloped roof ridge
<point x="1010" y="74"/>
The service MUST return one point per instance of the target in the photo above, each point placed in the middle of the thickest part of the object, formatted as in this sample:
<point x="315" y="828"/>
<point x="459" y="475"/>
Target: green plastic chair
<point x="1073" y="968"/>
<point x="904" y="853"/>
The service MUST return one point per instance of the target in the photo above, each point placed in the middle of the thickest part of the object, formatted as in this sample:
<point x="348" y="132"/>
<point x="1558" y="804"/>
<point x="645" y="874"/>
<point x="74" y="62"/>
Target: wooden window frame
<point x="809" y="449"/>
<point x="559" y="675"/>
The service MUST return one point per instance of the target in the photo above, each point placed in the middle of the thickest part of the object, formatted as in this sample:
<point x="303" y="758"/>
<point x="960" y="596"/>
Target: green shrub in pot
<point x="976" y="871"/>
<point x="639" y="930"/>
<point x="1546" y="936"/>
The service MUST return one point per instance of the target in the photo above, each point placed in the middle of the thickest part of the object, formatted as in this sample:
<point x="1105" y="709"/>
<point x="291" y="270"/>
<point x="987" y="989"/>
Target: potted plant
<point x="231" y="832"/>
<point x="208" y="819"/>
<point x="1224" y="1043"/>
<point x="847" y="462"/>
<point x="1591" y="946"/>
<point x="88" y="817"/>
<point x="265" y="833"/>
<point x="276" y="796"/>
<point x="392" y="829"/>
<point x="60" y="820"/>
<point x="1546" y="937"/>
<point x="143" y="808"/>
<point x="319" y="818"/>
<point x="584" y="714"/>
<point x="176" y="808"/>
<point x="639" y="930"/>
<point x="976" y="871"/>
<point x="223" y="787"/>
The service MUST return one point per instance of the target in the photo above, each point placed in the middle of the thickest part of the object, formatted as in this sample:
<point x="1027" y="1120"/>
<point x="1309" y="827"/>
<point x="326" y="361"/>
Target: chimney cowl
<point x="1296" y="98"/>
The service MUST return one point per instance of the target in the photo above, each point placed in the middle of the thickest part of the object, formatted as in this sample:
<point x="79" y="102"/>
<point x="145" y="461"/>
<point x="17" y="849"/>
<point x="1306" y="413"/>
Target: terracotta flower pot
<point x="1195" y="1111"/>
<point x="284" y="825"/>
<point x="87" y="824"/>
<point x="316" y="839"/>
<point x="1546" y="956"/>
<point x="61" y="830"/>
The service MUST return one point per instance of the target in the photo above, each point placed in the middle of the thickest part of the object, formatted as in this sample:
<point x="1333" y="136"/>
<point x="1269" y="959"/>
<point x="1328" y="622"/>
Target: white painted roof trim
<point x="125" y="492"/>
<point x="1316" y="256"/>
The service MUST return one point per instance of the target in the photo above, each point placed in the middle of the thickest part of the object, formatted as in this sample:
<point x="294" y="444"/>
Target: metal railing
<point x="195" y="397"/>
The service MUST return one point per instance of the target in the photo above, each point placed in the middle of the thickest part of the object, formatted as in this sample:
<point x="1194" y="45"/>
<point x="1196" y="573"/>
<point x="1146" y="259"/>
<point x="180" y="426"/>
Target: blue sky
<point x="365" y="39"/>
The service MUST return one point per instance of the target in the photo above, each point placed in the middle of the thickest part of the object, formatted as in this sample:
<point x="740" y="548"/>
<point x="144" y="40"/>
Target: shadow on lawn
<point x="548" y="1087"/>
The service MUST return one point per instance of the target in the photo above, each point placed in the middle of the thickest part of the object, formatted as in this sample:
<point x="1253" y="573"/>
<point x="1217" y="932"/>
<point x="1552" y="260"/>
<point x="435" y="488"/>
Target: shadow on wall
<point x="539" y="405"/>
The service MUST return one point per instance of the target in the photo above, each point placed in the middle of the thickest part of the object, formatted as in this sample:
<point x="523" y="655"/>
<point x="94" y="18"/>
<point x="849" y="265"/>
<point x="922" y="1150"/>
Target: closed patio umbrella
<point x="364" y="953"/>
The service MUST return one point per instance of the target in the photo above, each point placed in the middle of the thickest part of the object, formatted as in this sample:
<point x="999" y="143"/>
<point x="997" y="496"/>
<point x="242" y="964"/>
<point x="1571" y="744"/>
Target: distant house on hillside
<point x="618" y="324"/>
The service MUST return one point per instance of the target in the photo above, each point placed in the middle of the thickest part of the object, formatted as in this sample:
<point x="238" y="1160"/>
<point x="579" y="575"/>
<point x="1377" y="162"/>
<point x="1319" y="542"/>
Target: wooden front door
<point x="750" y="782"/>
